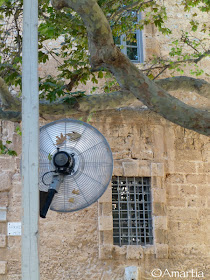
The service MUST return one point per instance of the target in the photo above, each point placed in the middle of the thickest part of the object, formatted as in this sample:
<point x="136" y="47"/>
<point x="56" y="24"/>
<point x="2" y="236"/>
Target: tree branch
<point x="88" y="104"/>
<point x="128" y="8"/>
<point x="18" y="37"/>
<point x="164" y="64"/>
<point x="199" y="86"/>
<point x="84" y="104"/>
<point x="8" y="101"/>
<point x="10" y="115"/>
<point x="99" y="102"/>
<point x="104" y="53"/>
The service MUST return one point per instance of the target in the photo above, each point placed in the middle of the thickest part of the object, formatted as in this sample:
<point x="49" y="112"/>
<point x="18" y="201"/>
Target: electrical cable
<point x="45" y="175"/>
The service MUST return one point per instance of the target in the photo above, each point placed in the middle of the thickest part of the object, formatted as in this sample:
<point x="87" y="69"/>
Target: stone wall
<point x="80" y="246"/>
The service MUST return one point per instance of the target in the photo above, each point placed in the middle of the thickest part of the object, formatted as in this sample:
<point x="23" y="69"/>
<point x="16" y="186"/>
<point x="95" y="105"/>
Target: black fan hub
<point x="63" y="162"/>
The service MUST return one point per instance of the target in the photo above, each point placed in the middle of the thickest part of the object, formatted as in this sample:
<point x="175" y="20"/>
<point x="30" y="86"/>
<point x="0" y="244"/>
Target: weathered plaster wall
<point x="79" y="245"/>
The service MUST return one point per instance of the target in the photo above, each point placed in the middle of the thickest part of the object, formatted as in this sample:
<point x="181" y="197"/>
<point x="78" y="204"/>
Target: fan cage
<point x="93" y="163"/>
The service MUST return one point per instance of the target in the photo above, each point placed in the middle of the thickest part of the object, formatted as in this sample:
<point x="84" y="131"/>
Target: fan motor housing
<point x="63" y="162"/>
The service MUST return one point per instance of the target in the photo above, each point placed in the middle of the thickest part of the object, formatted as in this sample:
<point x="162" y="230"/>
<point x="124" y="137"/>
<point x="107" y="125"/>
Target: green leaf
<point x="12" y="153"/>
<point x="100" y="74"/>
<point x="50" y="157"/>
<point x="151" y="76"/>
<point x="18" y="130"/>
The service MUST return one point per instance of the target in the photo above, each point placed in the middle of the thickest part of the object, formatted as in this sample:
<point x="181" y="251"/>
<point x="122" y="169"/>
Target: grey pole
<point x="30" y="142"/>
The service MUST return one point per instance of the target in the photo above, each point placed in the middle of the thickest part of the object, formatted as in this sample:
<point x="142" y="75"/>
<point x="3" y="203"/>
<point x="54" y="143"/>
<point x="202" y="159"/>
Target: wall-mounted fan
<point x="76" y="166"/>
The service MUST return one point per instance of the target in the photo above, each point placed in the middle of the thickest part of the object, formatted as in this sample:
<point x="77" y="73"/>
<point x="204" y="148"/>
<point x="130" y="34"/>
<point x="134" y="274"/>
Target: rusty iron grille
<point x="132" y="211"/>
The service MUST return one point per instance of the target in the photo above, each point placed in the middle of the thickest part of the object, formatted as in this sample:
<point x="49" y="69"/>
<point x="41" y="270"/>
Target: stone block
<point x="208" y="203"/>
<point x="107" y="237"/>
<point x="143" y="154"/>
<point x="18" y="163"/>
<point x="7" y="163"/>
<point x="169" y="144"/>
<point x="107" y="209"/>
<point x="175" y="178"/>
<point x="3" y="267"/>
<point x="160" y="236"/>
<point x="3" y="214"/>
<point x="157" y="182"/>
<point x="169" y="167"/>
<point x="206" y="155"/>
<point x="196" y="179"/>
<point x="172" y="190"/>
<point x="101" y="237"/>
<point x="184" y="143"/>
<point x="187" y="190"/>
<point x="150" y="250"/>
<point x="134" y="252"/>
<point x="8" y="129"/>
<point x="159" y="209"/>
<point x="16" y="177"/>
<point x="177" y="202"/>
<point x="130" y="168"/>
<point x="119" y="252"/>
<point x="4" y="200"/>
<point x="197" y="202"/>
<point x="160" y="222"/>
<point x="204" y="214"/>
<point x="105" y="252"/>
<point x="105" y="223"/>
<point x="3" y="240"/>
<point x="159" y="147"/>
<point x="100" y="206"/>
<point x="107" y="196"/>
<point x="188" y="155"/>
<point x="159" y="195"/>
<point x="161" y="251"/>
<point x="203" y="190"/>
<point x="3" y="229"/>
<point x="5" y="181"/>
<point x="118" y="168"/>
<point x="203" y="167"/>
<point x="157" y="169"/>
<point x="123" y="130"/>
<point x="144" y="168"/>
<point x="183" y="214"/>
<point x="184" y="166"/>
<point x="150" y="52"/>
<point x="16" y="188"/>
<point x="17" y="143"/>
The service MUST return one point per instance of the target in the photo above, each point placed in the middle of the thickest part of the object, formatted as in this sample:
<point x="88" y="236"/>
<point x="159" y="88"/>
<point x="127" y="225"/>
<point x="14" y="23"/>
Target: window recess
<point x="132" y="211"/>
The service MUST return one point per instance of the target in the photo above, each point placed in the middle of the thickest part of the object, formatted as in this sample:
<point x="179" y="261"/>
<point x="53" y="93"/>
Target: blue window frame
<point x="132" y="49"/>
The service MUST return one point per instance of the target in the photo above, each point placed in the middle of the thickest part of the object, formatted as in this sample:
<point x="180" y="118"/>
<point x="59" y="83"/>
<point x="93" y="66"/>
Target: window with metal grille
<point x="131" y="209"/>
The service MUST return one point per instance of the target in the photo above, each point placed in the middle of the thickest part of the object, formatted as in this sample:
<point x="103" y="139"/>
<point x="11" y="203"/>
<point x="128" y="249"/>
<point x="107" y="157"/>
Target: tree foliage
<point x="73" y="54"/>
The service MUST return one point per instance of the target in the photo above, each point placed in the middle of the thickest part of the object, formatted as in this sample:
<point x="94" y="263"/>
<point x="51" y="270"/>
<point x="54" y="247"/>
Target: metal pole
<point x="30" y="142"/>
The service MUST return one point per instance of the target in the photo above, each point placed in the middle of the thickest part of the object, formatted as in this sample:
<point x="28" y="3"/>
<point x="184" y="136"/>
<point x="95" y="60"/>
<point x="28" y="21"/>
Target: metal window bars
<point x="131" y="209"/>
